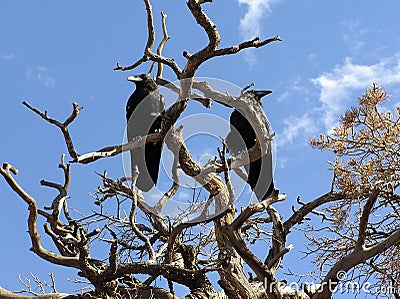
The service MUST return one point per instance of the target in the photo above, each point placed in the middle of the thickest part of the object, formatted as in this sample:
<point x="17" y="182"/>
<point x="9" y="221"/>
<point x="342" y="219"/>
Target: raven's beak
<point x="134" y="79"/>
<point x="261" y="93"/>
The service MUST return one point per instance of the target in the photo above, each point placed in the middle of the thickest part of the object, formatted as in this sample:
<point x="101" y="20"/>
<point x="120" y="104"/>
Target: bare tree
<point x="360" y="231"/>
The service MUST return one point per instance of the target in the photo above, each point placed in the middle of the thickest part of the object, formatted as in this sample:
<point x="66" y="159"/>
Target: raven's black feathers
<point x="144" y="112"/>
<point x="242" y="136"/>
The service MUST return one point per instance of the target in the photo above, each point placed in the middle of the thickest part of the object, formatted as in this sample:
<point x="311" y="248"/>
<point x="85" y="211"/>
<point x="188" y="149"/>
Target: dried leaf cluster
<point x="367" y="172"/>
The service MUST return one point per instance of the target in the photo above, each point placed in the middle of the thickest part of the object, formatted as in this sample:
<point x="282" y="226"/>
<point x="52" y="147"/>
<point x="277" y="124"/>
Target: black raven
<point x="144" y="112"/>
<point x="242" y="136"/>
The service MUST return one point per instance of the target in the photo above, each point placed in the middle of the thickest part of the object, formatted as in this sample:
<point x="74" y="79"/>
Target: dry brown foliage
<point x="367" y="171"/>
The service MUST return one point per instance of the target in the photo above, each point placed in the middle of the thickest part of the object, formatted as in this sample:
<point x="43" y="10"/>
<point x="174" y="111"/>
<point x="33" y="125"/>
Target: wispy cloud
<point x="42" y="74"/>
<point x="313" y="58"/>
<point x="282" y="161"/>
<point x="283" y="96"/>
<point x="354" y="35"/>
<point x="250" y="25"/>
<point x="338" y="86"/>
<point x="295" y="127"/>
<point x="7" y="57"/>
<point x="330" y="94"/>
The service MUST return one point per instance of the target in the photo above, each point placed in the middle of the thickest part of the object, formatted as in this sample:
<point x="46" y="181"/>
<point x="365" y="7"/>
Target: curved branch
<point x="255" y="208"/>
<point x="150" y="40"/>
<point x="211" y="182"/>
<point x="254" y="43"/>
<point x="299" y="215"/>
<point x="150" y="25"/>
<point x="278" y="240"/>
<point x="208" y="25"/>
<point x="114" y="150"/>
<point x="62" y="126"/>
<point x="233" y="232"/>
<point x="4" y="294"/>
<point x="174" y="188"/>
<point x="190" y="278"/>
<point x="161" y="46"/>
<point x="167" y="61"/>
<point x="353" y="259"/>
<point x="148" y="54"/>
<point x="132" y="219"/>
<point x="60" y="199"/>
<point x="362" y="230"/>
<point x="206" y="102"/>
<point x="32" y="218"/>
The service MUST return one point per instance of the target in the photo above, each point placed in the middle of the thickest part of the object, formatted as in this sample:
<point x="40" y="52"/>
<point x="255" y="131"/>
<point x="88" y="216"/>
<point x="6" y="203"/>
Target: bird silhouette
<point x="243" y="137"/>
<point x="144" y="111"/>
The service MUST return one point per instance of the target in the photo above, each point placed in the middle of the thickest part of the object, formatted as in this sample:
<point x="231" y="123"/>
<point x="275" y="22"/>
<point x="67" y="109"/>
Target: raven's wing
<point x="153" y="150"/>
<point x="144" y="181"/>
<point x="242" y="136"/>
<point x="260" y="176"/>
<point x="146" y="119"/>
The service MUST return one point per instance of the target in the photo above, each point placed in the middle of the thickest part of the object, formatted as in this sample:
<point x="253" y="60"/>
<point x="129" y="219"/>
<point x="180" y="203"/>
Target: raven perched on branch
<point x="144" y="112"/>
<point x="243" y="137"/>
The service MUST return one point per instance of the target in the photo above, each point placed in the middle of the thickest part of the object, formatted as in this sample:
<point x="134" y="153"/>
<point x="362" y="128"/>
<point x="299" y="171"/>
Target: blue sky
<point x="55" y="53"/>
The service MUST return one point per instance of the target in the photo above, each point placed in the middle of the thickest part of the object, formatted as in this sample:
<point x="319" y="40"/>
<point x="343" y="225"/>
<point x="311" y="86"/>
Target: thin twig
<point x="62" y="126"/>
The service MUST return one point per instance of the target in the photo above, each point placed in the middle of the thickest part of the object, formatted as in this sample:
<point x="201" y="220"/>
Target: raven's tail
<point x="147" y="161"/>
<point x="260" y="177"/>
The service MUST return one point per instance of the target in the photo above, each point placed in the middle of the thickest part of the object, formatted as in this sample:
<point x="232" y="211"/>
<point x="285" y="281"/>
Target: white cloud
<point x="338" y="86"/>
<point x="355" y="45"/>
<point x="250" y="57"/>
<point x="292" y="87"/>
<point x="285" y="95"/>
<point x="40" y="73"/>
<point x="282" y="161"/>
<point x="294" y="127"/>
<point x="337" y="90"/>
<point x="250" y="24"/>
<point x="7" y="57"/>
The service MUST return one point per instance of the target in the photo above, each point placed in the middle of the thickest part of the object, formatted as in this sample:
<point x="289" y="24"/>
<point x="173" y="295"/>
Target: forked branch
<point x="166" y="37"/>
<point x="32" y="222"/>
<point x="193" y="60"/>
<point x="63" y="126"/>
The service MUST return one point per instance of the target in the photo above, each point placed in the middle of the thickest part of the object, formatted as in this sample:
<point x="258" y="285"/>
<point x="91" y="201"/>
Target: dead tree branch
<point x="148" y="54"/>
<point x="132" y="219"/>
<point x="233" y="232"/>
<point x="62" y="126"/>
<point x="362" y="230"/>
<point x="299" y="215"/>
<point x="32" y="218"/>
<point x="10" y="295"/>
<point x="161" y="46"/>
<point x="278" y="240"/>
